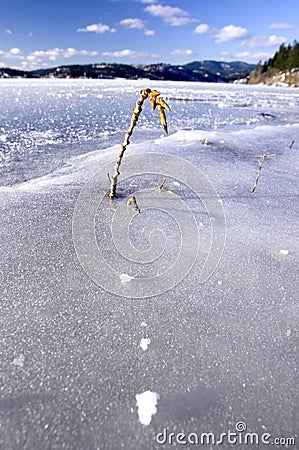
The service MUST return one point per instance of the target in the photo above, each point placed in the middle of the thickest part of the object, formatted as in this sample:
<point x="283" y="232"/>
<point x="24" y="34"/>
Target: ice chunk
<point x="125" y="278"/>
<point x="19" y="360"/>
<point x="147" y="406"/>
<point x="284" y="252"/>
<point x="144" y="343"/>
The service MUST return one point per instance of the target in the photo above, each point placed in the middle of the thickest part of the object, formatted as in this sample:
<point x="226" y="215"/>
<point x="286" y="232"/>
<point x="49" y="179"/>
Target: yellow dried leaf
<point x="163" y="103"/>
<point x="154" y="93"/>
<point x="162" y="118"/>
<point x="153" y="102"/>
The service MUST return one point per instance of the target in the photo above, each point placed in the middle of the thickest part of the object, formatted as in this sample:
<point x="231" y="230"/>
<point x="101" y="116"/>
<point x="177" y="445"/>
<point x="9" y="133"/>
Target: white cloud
<point x="149" y="32"/>
<point x="176" y="21"/>
<point x="50" y="54"/>
<point x="253" y="56"/>
<point x="98" y="28"/>
<point x="264" y="41"/>
<point x="171" y="15"/>
<point x="202" y="28"/>
<point x="229" y="33"/>
<point x="224" y="56"/>
<point x="179" y="52"/>
<point x="15" y="51"/>
<point x="42" y="58"/>
<point x="8" y="31"/>
<point x="132" y="23"/>
<point x="261" y="56"/>
<point x="242" y="54"/>
<point x="137" y="24"/>
<point x="127" y="53"/>
<point x="281" y="26"/>
<point x="147" y="1"/>
<point x="31" y="58"/>
<point x="69" y="52"/>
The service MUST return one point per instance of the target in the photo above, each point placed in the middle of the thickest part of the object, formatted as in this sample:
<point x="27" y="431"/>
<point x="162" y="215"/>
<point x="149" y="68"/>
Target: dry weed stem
<point x="261" y="162"/>
<point x="155" y="102"/>
<point x="161" y="186"/>
<point x="132" y="201"/>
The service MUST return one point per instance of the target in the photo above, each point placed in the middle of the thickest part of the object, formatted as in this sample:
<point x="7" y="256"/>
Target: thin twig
<point x="261" y="162"/>
<point x="132" y="201"/>
<point x="162" y="185"/>
<point x="291" y="144"/>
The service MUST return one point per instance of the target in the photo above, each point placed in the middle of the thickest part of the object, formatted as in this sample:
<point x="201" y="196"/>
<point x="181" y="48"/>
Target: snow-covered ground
<point x="82" y="367"/>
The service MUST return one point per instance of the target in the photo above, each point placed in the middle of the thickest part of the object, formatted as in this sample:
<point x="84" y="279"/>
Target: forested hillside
<point x="210" y="71"/>
<point x="282" y="69"/>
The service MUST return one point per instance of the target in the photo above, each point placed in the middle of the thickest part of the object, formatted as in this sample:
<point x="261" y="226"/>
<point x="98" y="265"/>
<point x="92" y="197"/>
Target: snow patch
<point x="147" y="406"/>
<point x="125" y="278"/>
<point x="144" y="343"/>
<point x="284" y="252"/>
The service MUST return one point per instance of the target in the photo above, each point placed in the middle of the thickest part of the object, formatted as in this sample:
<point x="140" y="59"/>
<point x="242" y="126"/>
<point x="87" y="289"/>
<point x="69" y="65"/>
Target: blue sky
<point x="47" y="33"/>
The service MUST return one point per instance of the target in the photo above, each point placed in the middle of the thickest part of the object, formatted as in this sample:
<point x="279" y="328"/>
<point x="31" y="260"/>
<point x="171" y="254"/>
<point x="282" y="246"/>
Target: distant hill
<point x="211" y="71"/>
<point x="282" y="69"/>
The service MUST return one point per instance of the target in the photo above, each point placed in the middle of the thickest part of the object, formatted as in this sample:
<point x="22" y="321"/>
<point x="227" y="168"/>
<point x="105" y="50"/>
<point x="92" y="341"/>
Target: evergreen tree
<point x="286" y="58"/>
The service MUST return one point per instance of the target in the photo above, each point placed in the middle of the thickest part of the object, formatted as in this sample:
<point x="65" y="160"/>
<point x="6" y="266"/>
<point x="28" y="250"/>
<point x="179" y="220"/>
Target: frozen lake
<point x="84" y="367"/>
<point x="45" y="122"/>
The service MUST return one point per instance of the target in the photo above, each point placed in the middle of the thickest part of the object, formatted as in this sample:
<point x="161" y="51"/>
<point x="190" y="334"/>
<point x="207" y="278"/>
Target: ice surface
<point x="220" y="352"/>
<point x="44" y="122"/>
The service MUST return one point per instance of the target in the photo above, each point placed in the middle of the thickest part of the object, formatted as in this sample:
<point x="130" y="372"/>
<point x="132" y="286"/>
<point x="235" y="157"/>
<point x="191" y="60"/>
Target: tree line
<point x="286" y="58"/>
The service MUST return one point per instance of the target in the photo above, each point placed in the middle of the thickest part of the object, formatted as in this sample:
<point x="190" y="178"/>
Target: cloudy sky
<point x="47" y="33"/>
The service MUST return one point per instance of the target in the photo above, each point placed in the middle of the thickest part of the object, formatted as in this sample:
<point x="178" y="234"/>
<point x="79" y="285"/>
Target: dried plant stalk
<point x="162" y="184"/>
<point x="261" y="162"/>
<point x="132" y="201"/>
<point x="161" y="105"/>
<point x="162" y="118"/>
<point x="155" y="102"/>
<point x="291" y="144"/>
<point x="144" y="93"/>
